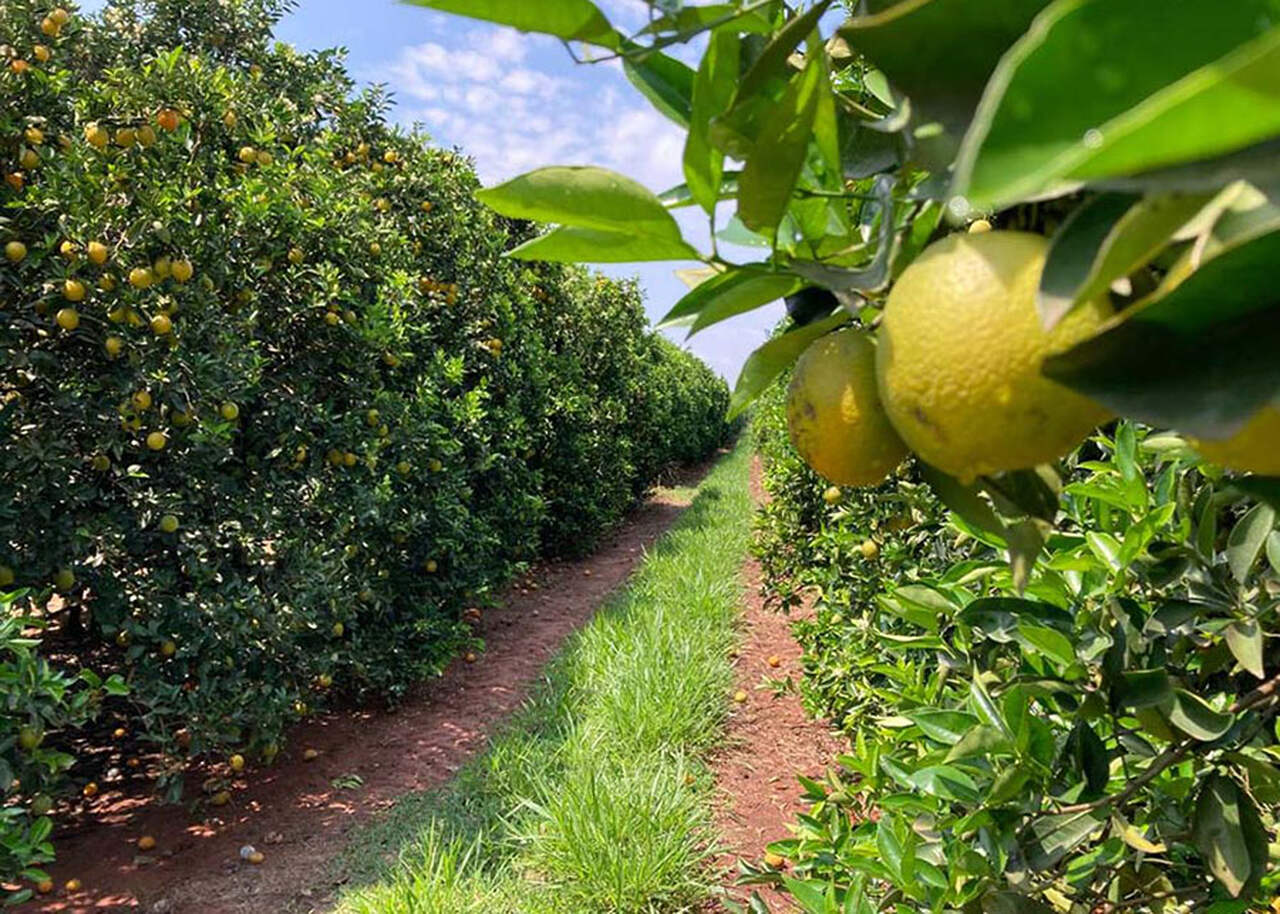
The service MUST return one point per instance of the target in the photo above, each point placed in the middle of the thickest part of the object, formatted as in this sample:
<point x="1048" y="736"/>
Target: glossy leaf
<point x="769" y="176"/>
<point x="749" y="286"/>
<point x="572" y="20"/>
<point x="1224" y="819"/>
<point x="572" y="244"/>
<point x="713" y="88"/>
<point x="1247" y="539"/>
<point x="1245" y="640"/>
<point x="775" y="357"/>
<point x="1201" y="358"/>
<point x="665" y="81"/>
<point x="1192" y="716"/>
<point x="1053" y="837"/>
<point x="583" y="197"/>
<point x="1101" y="88"/>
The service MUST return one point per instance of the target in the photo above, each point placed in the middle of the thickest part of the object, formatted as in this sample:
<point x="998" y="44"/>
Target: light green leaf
<point x="1247" y="538"/>
<point x="1193" y="716"/>
<point x="665" y="81"/>
<point x="1220" y="831"/>
<point x="712" y="92"/>
<point x="944" y="726"/>
<point x="775" y="357"/>
<point x="1099" y="88"/>
<point x="570" y="244"/>
<point x="1244" y="638"/>
<point x="982" y="741"/>
<point x="572" y="20"/>
<point x="733" y="291"/>
<point x="583" y="197"/>
<point x="1054" y="645"/>
<point x="771" y="171"/>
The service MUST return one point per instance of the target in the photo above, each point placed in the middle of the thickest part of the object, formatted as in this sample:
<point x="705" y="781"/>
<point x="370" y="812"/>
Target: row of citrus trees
<point x="993" y="727"/>
<point x="276" y="415"/>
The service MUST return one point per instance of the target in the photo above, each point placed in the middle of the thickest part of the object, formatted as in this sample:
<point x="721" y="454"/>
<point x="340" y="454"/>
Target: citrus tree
<point x="1000" y="225"/>
<point x="278" y="418"/>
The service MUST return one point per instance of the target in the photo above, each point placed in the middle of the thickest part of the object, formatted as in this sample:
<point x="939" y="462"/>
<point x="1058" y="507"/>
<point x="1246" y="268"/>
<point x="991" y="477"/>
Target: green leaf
<point x="1247" y="538"/>
<point x="773" y="167"/>
<point x="1264" y="488"/>
<point x="572" y="20"/>
<point x="1142" y="689"/>
<point x="1244" y="638"/>
<point x="665" y="81"/>
<point x="944" y="726"/>
<point x="1191" y="715"/>
<point x="964" y="499"/>
<point x="1051" y="838"/>
<point x="809" y="894"/>
<point x="583" y="197"/>
<point x="713" y="88"/>
<point x="1055" y="645"/>
<point x="1099" y="88"/>
<point x="1273" y="551"/>
<point x="1201" y="358"/>
<point x="740" y="288"/>
<point x="772" y="63"/>
<point x="775" y="357"/>
<point x="1107" y="238"/>
<point x="907" y="40"/>
<point x="570" y="244"/>
<point x="1224" y="821"/>
<point x="1074" y="252"/>
<point x="982" y="741"/>
<point x="946" y="782"/>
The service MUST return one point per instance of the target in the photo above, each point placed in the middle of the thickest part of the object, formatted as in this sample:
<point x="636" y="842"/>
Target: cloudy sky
<point x="515" y="102"/>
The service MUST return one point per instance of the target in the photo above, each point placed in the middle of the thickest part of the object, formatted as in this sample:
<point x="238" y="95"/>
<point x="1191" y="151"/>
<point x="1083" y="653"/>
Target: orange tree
<point x="275" y="409"/>
<point x="1111" y="744"/>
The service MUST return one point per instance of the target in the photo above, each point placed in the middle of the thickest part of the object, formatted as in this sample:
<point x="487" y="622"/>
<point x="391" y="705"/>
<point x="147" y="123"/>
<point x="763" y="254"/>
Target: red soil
<point x="769" y="739"/>
<point x="292" y="811"/>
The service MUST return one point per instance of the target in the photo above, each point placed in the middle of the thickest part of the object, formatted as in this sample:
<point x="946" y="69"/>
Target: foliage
<point x="1072" y="747"/>
<point x="275" y="409"/>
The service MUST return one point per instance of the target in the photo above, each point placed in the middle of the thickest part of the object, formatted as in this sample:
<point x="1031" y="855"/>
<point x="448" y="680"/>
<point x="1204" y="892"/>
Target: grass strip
<point x="595" y="797"/>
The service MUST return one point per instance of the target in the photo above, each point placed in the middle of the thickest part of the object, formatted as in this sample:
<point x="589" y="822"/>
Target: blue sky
<point x="515" y="102"/>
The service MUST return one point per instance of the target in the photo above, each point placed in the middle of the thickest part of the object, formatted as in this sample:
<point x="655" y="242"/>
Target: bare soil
<point x="297" y="811"/>
<point x="770" y="738"/>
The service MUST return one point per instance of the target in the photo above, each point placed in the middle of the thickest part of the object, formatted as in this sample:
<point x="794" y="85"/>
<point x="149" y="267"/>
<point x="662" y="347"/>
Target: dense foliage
<point x="1104" y="740"/>
<point x="275" y="411"/>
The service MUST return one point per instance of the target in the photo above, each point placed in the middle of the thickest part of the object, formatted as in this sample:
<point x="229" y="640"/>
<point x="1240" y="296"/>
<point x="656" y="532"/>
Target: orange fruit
<point x="740" y="696"/>
<point x="68" y="318"/>
<point x="168" y="523"/>
<point x="90" y="789"/>
<point x="168" y="648"/>
<point x="42" y="53"/>
<point x="156" y="441"/>
<point x="256" y="858"/>
<point x="229" y="411"/>
<point x="60" y="16"/>
<point x="182" y="270"/>
<point x="168" y="119"/>
<point x="141" y="400"/>
<point x="98" y="252"/>
<point x="161" y="325"/>
<point x="236" y="762"/>
<point x="126" y="137"/>
<point x="44" y="886"/>
<point x="73" y="885"/>
<point x="141" y="277"/>
<point x="774" y="661"/>
<point x="146" y="843"/>
<point x="146" y="136"/>
<point x="97" y="136"/>
<point x="73" y="290"/>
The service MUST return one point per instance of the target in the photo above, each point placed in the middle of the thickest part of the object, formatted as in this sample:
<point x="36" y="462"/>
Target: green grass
<point x="595" y="798"/>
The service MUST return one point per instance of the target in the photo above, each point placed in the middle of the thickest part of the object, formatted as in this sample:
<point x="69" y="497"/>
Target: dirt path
<point x="769" y="740"/>
<point x="293" y="811"/>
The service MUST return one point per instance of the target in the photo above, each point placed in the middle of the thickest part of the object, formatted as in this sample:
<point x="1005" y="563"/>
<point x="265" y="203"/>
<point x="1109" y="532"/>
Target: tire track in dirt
<point x="293" y="811"/>
<point x="769" y="739"/>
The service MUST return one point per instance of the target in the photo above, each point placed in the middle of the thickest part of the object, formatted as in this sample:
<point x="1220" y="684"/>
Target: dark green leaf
<point x="1264" y="488"/>
<point x="1013" y="903"/>
<point x="1201" y="358"/>
<point x="1142" y="689"/>
<point x="944" y="726"/>
<point x="982" y="741"/>
<point x="572" y="20"/>
<point x="739" y="289"/>
<point x="775" y="357"/>
<point x="1075" y="250"/>
<point x="908" y="39"/>
<point x="1100" y="89"/>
